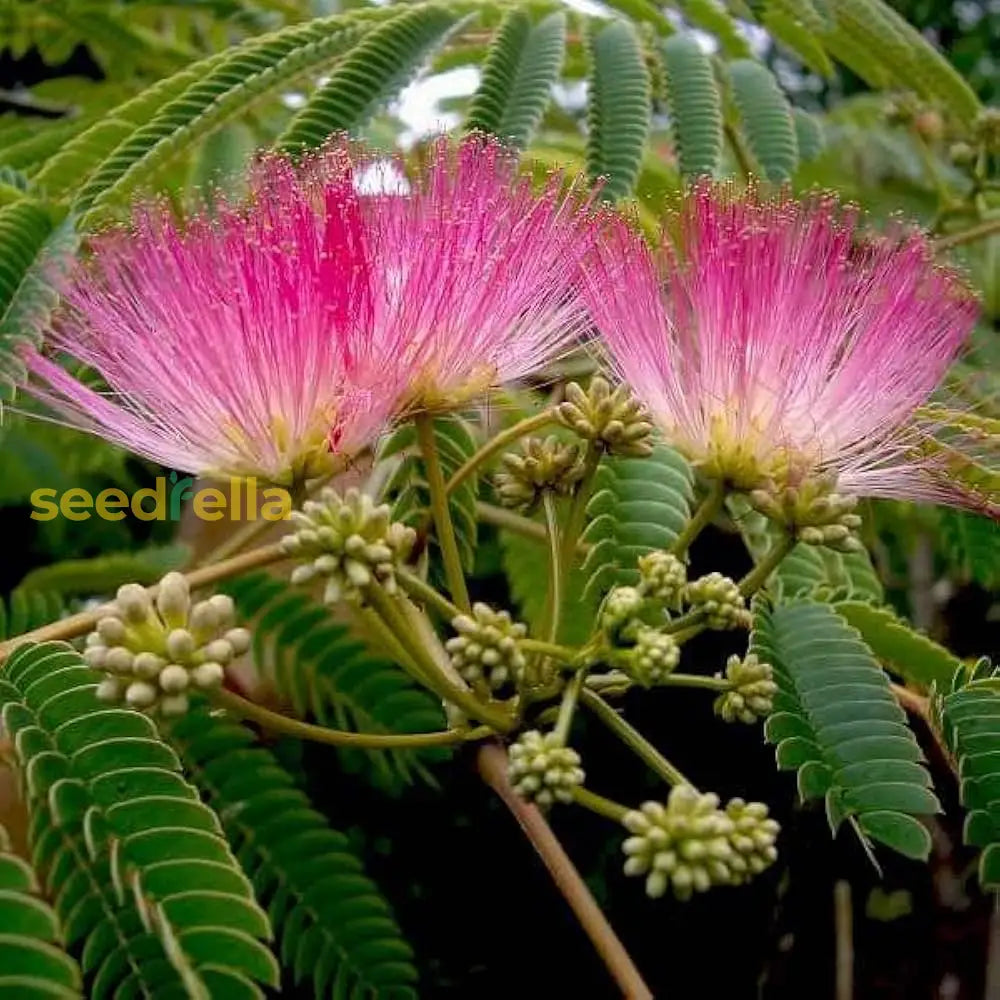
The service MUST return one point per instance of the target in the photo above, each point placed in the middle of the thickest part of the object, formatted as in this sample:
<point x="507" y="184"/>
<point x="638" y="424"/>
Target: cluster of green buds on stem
<point x="542" y="769"/>
<point x="615" y="419"/>
<point x="155" y="655"/>
<point x="751" y="696"/>
<point x="689" y="844"/>
<point x="486" y="648"/>
<point x="350" y="542"/>
<point x="719" y="599"/>
<point x="662" y="578"/>
<point x="815" y="512"/>
<point x="548" y="464"/>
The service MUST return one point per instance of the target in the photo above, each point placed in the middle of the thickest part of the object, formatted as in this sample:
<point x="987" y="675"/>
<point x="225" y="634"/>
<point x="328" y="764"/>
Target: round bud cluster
<point x="653" y="657"/>
<point x="752" y="693"/>
<point x="154" y="656"/>
<point x="542" y="770"/>
<point x="548" y="464"/>
<point x="720" y="599"/>
<point x="662" y="577"/>
<point x="614" y="418"/>
<point x="486" y="646"/>
<point x="819" y="515"/>
<point x="690" y="844"/>
<point x="753" y="839"/>
<point x="620" y="607"/>
<point x="350" y="541"/>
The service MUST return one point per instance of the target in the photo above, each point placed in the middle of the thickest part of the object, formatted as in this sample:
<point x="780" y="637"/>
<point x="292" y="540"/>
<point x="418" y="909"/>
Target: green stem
<point x="614" y="811"/>
<point x="424" y="423"/>
<point x="565" y="654"/>
<point x="695" y="681"/>
<point x="677" y="625"/>
<point x="702" y="517"/>
<point x="424" y="592"/>
<point x="497" y="516"/>
<point x="434" y="679"/>
<point x="335" y="737"/>
<point x="554" y="603"/>
<point x="984" y="229"/>
<point x="757" y="577"/>
<point x="391" y="646"/>
<point x="498" y="443"/>
<point x="632" y="738"/>
<point x="578" y="508"/>
<point x="567" y="707"/>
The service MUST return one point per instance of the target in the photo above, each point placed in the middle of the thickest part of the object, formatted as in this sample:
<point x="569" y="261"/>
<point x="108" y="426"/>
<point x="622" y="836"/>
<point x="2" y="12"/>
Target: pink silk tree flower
<point x="477" y="275"/>
<point x="777" y="343"/>
<point x="235" y="345"/>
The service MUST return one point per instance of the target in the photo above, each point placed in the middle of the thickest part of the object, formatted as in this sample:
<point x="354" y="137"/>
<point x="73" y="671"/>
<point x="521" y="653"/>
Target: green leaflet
<point x="766" y="118"/>
<point x="908" y="652"/>
<point x="972" y="543"/>
<point x="225" y="89"/>
<point x="836" y="723"/>
<point x="315" y="664"/>
<point x="28" y="609"/>
<point x="711" y="16"/>
<point x="334" y="927"/>
<point x="407" y="486"/>
<point x="617" y="109"/>
<point x="967" y="715"/>
<point x="695" y="105"/>
<point x="104" y="574"/>
<point x="35" y="244"/>
<point x="638" y="505"/>
<point x="32" y="962"/>
<point x="373" y="72"/>
<point x="108" y="805"/>
<point x="808" y="134"/>
<point x="521" y="67"/>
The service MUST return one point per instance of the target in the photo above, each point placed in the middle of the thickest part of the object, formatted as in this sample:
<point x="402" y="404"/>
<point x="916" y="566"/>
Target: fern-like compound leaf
<point x="695" y="105"/>
<point x="523" y="63"/>
<point x="334" y="927"/>
<point x="109" y="807"/>
<point x="766" y="118"/>
<point x="836" y="723"/>
<point x="618" y="108"/>
<point x="638" y="505"/>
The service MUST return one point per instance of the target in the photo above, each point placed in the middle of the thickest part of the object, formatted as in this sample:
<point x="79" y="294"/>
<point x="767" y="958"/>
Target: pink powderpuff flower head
<point x="477" y="275"/>
<point x="239" y="344"/>
<point x="776" y="343"/>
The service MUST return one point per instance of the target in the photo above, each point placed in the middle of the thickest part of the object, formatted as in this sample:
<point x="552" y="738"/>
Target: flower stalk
<point x="424" y="423"/>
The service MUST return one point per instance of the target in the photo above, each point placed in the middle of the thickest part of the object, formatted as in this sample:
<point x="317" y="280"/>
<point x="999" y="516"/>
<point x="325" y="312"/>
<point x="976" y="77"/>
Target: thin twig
<point x="86" y="621"/>
<point x="844" y="928"/>
<point x="492" y="760"/>
<point x="984" y="229"/>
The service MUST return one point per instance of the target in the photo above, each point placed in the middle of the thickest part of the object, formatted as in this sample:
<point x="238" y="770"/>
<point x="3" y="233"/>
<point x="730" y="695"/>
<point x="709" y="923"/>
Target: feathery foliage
<point x="334" y="928"/>
<point x="836" y="723"/>
<point x="110" y="808"/>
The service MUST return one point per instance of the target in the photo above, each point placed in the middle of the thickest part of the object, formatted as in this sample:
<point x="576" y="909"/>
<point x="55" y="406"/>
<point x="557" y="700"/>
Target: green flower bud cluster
<point x="818" y="514"/>
<point x="616" y="418"/>
<point x="154" y="656"/>
<point x="350" y="541"/>
<point x="548" y="464"/>
<point x="721" y="601"/>
<point x="620" y="608"/>
<point x="542" y="770"/>
<point x="752" y="693"/>
<point x="690" y="844"/>
<point x="662" y="577"/>
<point x="654" y="655"/>
<point x="486" y="646"/>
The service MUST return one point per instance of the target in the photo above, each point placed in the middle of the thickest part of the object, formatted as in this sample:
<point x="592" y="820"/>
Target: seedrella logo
<point x="242" y="501"/>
